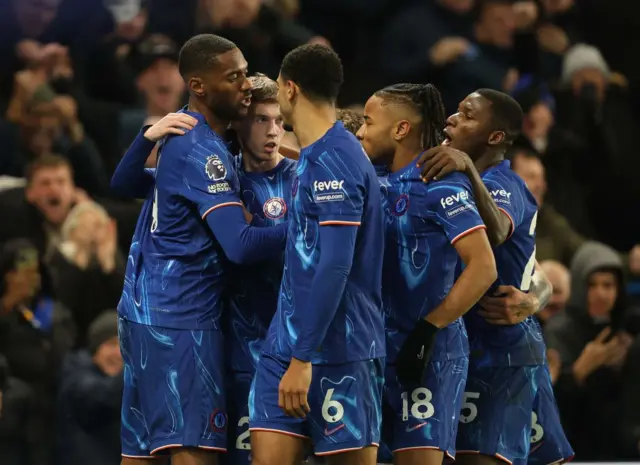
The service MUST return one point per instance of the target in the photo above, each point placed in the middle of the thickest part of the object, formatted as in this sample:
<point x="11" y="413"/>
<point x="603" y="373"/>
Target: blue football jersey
<point x="522" y="344"/>
<point x="423" y="221"/>
<point x="336" y="184"/>
<point x="254" y="289"/>
<point x="174" y="275"/>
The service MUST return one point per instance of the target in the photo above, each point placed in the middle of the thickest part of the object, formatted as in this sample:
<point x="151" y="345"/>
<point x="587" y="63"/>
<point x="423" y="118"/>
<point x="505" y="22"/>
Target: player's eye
<point x="234" y="77"/>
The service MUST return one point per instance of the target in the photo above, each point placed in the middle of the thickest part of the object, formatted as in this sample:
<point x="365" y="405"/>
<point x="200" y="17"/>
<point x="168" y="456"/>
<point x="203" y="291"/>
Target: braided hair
<point x="426" y="100"/>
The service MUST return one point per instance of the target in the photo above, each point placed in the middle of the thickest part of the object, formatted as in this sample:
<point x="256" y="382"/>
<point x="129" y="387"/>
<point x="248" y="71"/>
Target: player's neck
<point x="252" y="164"/>
<point x="487" y="160"/>
<point x="403" y="156"/>
<point x="312" y="121"/>
<point x="218" y="125"/>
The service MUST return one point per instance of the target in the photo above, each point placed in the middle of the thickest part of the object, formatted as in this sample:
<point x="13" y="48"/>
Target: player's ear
<point x="291" y="90"/>
<point x="196" y="86"/>
<point x="401" y="130"/>
<point x="497" y="137"/>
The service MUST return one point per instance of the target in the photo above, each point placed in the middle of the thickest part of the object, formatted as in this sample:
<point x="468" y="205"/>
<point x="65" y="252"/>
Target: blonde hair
<point x="76" y="212"/>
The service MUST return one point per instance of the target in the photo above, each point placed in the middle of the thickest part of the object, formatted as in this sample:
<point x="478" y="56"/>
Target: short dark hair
<point x="46" y="161"/>
<point x="352" y="119"/>
<point x="201" y="53"/>
<point x="426" y="100"/>
<point x="515" y="151"/>
<point x="506" y="113"/>
<point x="316" y="69"/>
<point x="263" y="89"/>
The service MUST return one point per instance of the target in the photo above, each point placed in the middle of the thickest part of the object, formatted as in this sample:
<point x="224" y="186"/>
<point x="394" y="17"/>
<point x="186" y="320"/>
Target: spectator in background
<point x="39" y="211"/>
<point x="426" y="36"/>
<point x="592" y="342"/>
<point x="88" y="268"/>
<point x="41" y="122"/>
<point x="555" y="238"/>
<point x="20" y="422"/>
<point x="159" y="84"/>
<point x="90" y="398"/>
<point x="560" y="280"/>
<point x="629" y="407"/>
<point x="36" y="331"/>
<point x="259" y="30"/>
<point x="596" y="110"/>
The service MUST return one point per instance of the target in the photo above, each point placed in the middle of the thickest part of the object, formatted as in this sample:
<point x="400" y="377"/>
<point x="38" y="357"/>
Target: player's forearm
<point x="473" y="283"/>
<point x="498" y="225"/>
<point x="243" y="243"/>
<point x="130" y="178"/>
<point x="327" y="288"/>
<point x="540" y="290"/>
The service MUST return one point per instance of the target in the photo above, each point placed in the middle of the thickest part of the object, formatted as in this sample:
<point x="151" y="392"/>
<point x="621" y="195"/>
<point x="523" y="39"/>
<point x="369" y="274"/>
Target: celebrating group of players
<point x="270" y="304"/>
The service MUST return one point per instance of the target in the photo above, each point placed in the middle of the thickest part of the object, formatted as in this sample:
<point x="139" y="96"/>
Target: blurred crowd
<point x="81" y="77"/>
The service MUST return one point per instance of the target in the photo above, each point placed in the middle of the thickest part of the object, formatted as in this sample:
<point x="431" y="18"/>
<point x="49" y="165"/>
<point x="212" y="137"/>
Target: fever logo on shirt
<point x="402" y="205"/>
<point x="215" y="168"/>
<point x="274" y="208"/>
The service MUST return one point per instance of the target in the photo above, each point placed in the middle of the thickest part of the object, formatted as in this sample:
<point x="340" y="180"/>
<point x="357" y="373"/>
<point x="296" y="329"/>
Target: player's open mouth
<point x="246" y="101"/>
<point x="447" y="138"/>
<point x="270" y="147"/>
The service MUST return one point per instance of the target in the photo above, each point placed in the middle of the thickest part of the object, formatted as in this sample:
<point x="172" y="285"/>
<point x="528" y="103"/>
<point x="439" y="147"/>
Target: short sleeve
<point x="210" y="180"/>
<point x="335" y="189"/>
<point x="508" y="198"/>
<point x="455" y="209"/>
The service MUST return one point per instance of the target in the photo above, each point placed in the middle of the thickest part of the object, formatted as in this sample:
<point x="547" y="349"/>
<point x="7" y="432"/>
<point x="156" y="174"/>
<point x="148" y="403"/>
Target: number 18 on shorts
<point x="425" y="417"/>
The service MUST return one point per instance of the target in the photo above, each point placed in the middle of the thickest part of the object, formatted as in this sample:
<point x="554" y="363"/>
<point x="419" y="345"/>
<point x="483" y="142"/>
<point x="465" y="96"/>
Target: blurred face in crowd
<point x="40" y="127"/>
<point x="458" y="6"/>
<point x="470" y="129"/>
<point x="225" y="88"/>
<point x="261" y="132"/>
<point x="601" y="293"/>
<point x="244" y="13"/>
<point x="560" y="279"/>
<point x="589" y="77"/>
<point x="537" y="124"/>
<point x="89" y="228"/>
<point x="24" y="281"/>
<point x="108" y="357"/>
<point x="162" y="86"/>
<point x="35" y="16"/>
<point x="52" y="191"/>
<point x="530" y="169"/>
<point x="552" y="7"/>
<point x="497" y="24"/>
<point x="379" y="133"/>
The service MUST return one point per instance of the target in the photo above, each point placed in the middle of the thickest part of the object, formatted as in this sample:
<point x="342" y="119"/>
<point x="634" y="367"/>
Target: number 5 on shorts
<point x="469" y="411"/>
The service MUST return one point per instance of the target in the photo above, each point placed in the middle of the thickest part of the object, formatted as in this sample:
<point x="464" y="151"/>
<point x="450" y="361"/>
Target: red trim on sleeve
<point x="467" y="232"/>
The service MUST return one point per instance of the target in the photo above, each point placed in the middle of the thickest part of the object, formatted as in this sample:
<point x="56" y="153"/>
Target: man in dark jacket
<point x="90" y="398"/>
<point x="592" y="341"/>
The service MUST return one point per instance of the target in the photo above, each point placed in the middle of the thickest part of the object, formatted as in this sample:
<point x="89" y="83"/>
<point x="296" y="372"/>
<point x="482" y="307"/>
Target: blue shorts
<point x="496" y="411"/>
<point x="345" y="402"/>
<point x="239" y="443"/>
<point x="549" y="444"/>
<point x="173" y="389"/>
<point x="427" y="416"/>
